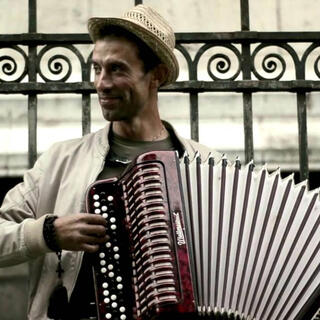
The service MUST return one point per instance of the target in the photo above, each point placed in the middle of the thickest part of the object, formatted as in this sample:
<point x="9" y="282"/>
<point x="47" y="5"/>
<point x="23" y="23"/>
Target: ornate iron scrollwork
<point x="9" y="65"/>
<point x="307" y="54"/>
<point x="273" y="63"/>
<point x="223" y="64"/>
<point x="187" y="56"/>
<point x="220" y="63"/>
<point x="59" y="64"/>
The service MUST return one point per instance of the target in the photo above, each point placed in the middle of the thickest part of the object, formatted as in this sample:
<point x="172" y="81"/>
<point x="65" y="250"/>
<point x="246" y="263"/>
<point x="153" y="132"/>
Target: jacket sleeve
<point x="21" y="236"/>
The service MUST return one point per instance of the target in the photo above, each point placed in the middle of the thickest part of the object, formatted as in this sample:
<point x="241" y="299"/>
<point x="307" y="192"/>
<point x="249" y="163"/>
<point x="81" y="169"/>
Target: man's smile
<point x="108" y="99"/>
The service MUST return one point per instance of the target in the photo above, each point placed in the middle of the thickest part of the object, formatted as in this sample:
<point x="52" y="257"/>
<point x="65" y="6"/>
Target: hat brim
<point x="166" y="56"/>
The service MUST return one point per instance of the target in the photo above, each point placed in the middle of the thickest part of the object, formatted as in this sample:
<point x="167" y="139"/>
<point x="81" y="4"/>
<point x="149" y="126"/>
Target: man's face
<point x="122" y="85"/>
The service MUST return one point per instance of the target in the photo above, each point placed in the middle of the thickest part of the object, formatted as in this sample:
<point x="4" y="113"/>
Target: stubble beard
<point x="120" y="113"/>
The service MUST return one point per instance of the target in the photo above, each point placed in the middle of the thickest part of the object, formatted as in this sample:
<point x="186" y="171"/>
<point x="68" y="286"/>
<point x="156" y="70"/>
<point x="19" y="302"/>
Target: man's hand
<point x="80" y="232"/>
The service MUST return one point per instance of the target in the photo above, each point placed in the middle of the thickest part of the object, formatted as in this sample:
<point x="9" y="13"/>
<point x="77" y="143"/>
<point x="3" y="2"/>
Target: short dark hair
<point x="147" y="56"/>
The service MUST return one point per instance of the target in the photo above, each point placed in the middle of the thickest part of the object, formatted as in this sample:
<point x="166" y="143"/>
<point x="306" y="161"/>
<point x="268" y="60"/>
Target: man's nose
<point x="103" y="81"/>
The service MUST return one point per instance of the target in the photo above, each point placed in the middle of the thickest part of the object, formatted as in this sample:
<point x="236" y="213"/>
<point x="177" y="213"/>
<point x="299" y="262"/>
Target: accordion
<point x="197" y="239"/>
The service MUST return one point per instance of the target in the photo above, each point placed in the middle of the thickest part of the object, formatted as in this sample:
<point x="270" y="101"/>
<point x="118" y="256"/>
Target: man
<point x="132" y="57"/>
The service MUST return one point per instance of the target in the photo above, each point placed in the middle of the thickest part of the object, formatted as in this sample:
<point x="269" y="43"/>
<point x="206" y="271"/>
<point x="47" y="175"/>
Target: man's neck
<point x="140" y="130"/>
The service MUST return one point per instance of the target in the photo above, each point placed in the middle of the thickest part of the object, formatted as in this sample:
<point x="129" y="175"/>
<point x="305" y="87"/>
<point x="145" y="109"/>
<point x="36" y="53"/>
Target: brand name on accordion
<point x="179" y="232"/>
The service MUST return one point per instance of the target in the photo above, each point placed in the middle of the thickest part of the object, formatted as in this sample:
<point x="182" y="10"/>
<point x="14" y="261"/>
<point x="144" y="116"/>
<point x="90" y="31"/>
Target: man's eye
<point x="96" y="69"/>
<point x="115" y="68"/>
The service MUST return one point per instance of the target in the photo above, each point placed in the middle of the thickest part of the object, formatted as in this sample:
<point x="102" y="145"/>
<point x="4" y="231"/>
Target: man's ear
<point x="160" y="74"/>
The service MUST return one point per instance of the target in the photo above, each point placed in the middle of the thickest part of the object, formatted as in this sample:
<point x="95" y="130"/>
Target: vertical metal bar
<point x="194" y="103"/>
<point x="248" y="128"/>
<point x="32" y="129"/>
<point x="245" y="20"/>
<point x="86" y="100"/>
<point x="86" y="107"/>
<point x="247" y="106"/>
<point x="32" y="98"/>
<point x="247" y="96"/>
<point x="303" y="136"/>
<point x="86" y="114"/>
<point x="194" y="116"/>
<point x="302" y="125"/>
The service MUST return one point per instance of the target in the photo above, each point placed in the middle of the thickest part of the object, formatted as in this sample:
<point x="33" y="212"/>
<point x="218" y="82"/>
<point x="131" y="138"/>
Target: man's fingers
<point x="95" y="230"/>
<point x="91" y="239"/>
<point x="94" y="219"/>
<point x="76" y="232"/>
<point x="91" y="248"/>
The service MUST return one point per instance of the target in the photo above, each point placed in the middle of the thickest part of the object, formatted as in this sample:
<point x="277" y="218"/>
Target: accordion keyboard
<point x="111" y="264"/>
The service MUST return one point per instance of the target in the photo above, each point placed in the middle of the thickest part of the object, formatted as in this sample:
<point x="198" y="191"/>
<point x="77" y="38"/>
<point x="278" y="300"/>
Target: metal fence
<point x="246" y="80"/>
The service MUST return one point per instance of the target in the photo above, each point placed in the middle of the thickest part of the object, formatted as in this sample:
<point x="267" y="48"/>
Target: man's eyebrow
<point x="117" y="61"/>
<point x="110" y="61"/>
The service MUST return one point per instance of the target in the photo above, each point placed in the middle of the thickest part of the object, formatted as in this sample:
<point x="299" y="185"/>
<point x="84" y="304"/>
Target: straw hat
<point x="150" y="27"/>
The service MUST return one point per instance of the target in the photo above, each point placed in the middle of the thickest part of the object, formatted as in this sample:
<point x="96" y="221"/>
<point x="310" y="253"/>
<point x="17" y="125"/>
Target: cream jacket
<point x="55" y="185"/>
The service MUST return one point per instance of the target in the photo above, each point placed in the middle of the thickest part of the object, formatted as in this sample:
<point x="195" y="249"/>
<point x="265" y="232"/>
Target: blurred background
<point x="275" y="134"/>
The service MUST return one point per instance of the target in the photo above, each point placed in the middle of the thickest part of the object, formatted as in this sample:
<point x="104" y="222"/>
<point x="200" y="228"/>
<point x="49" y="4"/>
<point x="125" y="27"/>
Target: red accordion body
<point x="143" y="271"/>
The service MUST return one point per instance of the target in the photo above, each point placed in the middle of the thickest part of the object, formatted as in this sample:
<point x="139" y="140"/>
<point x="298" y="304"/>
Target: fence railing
<point x="246" y="77"/>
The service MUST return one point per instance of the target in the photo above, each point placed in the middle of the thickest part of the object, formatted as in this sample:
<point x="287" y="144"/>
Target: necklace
<point x="158" y="136"/>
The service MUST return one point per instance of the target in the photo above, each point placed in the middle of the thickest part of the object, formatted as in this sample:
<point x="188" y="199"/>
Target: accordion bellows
<point x="204" y="239"/>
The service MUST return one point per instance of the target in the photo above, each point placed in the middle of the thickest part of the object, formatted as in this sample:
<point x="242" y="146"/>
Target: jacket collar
<point x="104" y="146"/>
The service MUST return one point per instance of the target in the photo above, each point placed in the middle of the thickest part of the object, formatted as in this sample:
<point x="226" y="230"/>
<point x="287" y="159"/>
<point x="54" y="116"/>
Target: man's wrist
<point x="49" y="233"/>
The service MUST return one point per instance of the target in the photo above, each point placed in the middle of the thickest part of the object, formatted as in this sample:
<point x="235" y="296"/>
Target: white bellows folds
<point x="254" y="240"/>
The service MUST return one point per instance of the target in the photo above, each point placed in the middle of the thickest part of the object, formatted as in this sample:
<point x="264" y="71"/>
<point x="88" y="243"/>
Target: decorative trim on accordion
<point x="206" y="238"/>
